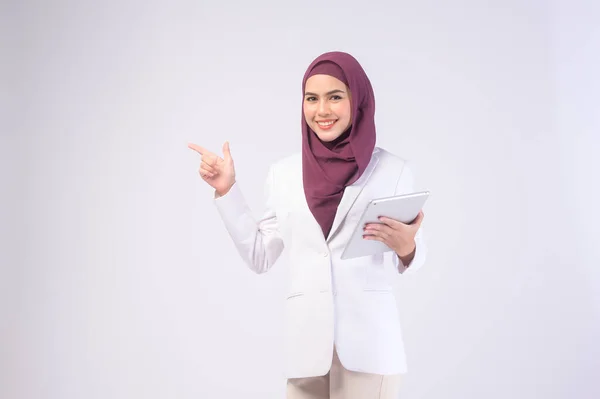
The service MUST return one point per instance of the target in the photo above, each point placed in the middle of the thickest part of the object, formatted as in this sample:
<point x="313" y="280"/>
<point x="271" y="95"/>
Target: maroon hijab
<point x="327" y="168"/>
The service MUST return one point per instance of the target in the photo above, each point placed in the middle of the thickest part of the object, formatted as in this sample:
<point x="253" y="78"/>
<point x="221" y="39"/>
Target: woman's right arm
<point x="258" y="242"/>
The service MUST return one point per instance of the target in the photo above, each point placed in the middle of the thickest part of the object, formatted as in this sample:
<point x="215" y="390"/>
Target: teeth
<point x="325" y="123"/>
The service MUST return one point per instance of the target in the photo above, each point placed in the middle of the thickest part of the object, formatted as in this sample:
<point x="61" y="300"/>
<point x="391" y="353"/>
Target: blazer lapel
<point x="351" y="193"/>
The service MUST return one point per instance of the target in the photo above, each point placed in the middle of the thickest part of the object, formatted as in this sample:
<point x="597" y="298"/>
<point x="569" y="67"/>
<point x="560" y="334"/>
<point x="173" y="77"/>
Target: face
<point x="327" y="106"/>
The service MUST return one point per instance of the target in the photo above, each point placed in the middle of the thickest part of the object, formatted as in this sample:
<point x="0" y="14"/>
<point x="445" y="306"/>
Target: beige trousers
<point x="340" y="383"/>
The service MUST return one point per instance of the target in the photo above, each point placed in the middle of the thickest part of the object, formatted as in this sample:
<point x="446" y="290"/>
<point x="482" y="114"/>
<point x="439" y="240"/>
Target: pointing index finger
<point x="200" y="150"/>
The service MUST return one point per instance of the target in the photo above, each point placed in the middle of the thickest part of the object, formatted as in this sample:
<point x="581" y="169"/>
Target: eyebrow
<point x="327" y="94"/>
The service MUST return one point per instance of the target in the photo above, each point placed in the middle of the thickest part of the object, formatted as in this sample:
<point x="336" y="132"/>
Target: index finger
<point x="199" y="149"/>
<point x="395" y="224"/>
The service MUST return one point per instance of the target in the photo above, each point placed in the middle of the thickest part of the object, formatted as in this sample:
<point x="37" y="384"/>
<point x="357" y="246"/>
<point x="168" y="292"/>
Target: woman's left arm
<point x="405" y="239"/>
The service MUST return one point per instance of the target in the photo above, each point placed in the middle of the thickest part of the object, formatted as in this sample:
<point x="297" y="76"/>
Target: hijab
<point x="327" y="168"/>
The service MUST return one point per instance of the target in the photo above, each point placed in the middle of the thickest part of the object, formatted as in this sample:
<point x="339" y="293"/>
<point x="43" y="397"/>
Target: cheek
<point x="349" y="110"/>
<point x="344" y="112"/>
<point x="308" y="114"/>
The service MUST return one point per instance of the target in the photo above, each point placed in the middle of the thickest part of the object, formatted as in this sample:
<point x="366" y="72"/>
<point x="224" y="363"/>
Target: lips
<point x="326" y="125"/>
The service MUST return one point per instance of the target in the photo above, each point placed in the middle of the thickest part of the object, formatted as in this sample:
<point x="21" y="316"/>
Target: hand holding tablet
<point x="403" y="208"/>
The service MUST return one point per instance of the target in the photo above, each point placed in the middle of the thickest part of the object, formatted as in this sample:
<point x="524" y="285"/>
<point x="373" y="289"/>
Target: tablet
<point x="404" y="208"/>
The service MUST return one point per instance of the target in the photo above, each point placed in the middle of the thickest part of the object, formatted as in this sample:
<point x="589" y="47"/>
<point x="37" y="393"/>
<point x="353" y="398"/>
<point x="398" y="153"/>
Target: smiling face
<point x="327" y="106"/>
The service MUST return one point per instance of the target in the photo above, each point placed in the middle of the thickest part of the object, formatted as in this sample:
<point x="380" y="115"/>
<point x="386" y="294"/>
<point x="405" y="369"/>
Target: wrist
<point x="222" y="192"/>
<point x="407" y="251"/>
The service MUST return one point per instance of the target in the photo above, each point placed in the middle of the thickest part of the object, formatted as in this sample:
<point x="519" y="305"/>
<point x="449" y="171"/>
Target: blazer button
<point x="325" y="254"/>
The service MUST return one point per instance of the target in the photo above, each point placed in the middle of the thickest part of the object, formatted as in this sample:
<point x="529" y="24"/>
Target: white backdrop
<point x="118" y="278"/>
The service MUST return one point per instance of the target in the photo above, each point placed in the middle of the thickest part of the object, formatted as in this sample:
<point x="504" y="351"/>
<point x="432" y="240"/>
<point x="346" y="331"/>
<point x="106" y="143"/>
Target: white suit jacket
<point x="349" y="303"/>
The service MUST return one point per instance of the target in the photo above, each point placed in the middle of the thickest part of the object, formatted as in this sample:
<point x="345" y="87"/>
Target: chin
<point x="327" y="136"/>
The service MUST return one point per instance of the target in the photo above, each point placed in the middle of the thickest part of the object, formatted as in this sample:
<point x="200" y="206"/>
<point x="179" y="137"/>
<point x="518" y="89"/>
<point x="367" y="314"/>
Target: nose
<point x="323" y="108"/>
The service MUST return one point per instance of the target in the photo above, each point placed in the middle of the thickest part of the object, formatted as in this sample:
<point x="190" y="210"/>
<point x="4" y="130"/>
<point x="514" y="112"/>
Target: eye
<point x="336" y="97"/>
<point x="310" y="99"/>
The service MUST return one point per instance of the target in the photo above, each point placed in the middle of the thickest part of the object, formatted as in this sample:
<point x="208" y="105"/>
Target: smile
<point x="326" y="124"/>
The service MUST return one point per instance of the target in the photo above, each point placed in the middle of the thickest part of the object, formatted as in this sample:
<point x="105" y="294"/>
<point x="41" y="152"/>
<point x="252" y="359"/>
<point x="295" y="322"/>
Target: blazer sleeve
<point x="258" y="242"/>
<point x="405" y="185"/>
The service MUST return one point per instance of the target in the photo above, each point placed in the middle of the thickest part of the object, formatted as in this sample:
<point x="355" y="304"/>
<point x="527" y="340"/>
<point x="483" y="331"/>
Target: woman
<point x="342" y="333"/>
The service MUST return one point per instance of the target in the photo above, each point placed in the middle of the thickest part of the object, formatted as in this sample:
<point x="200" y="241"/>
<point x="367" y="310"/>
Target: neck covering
<point x="327" y="168"/>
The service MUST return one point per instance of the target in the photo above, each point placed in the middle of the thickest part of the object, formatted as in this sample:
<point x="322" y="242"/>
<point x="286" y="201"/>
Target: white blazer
<point x="349" y="303"/>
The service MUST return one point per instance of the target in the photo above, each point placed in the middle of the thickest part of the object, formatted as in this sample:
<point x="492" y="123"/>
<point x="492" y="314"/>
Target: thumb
<point x="227" y="152"/>
<point x="418" y="219"/>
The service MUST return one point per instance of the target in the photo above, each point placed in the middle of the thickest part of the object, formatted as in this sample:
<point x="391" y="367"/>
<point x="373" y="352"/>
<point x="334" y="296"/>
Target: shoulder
<point x="387" y="159"/>
<point x="287" y="163"/>
<point x="291" y="160"/>
<point x="403" y="168"/>
<point x="294" y="161"/>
